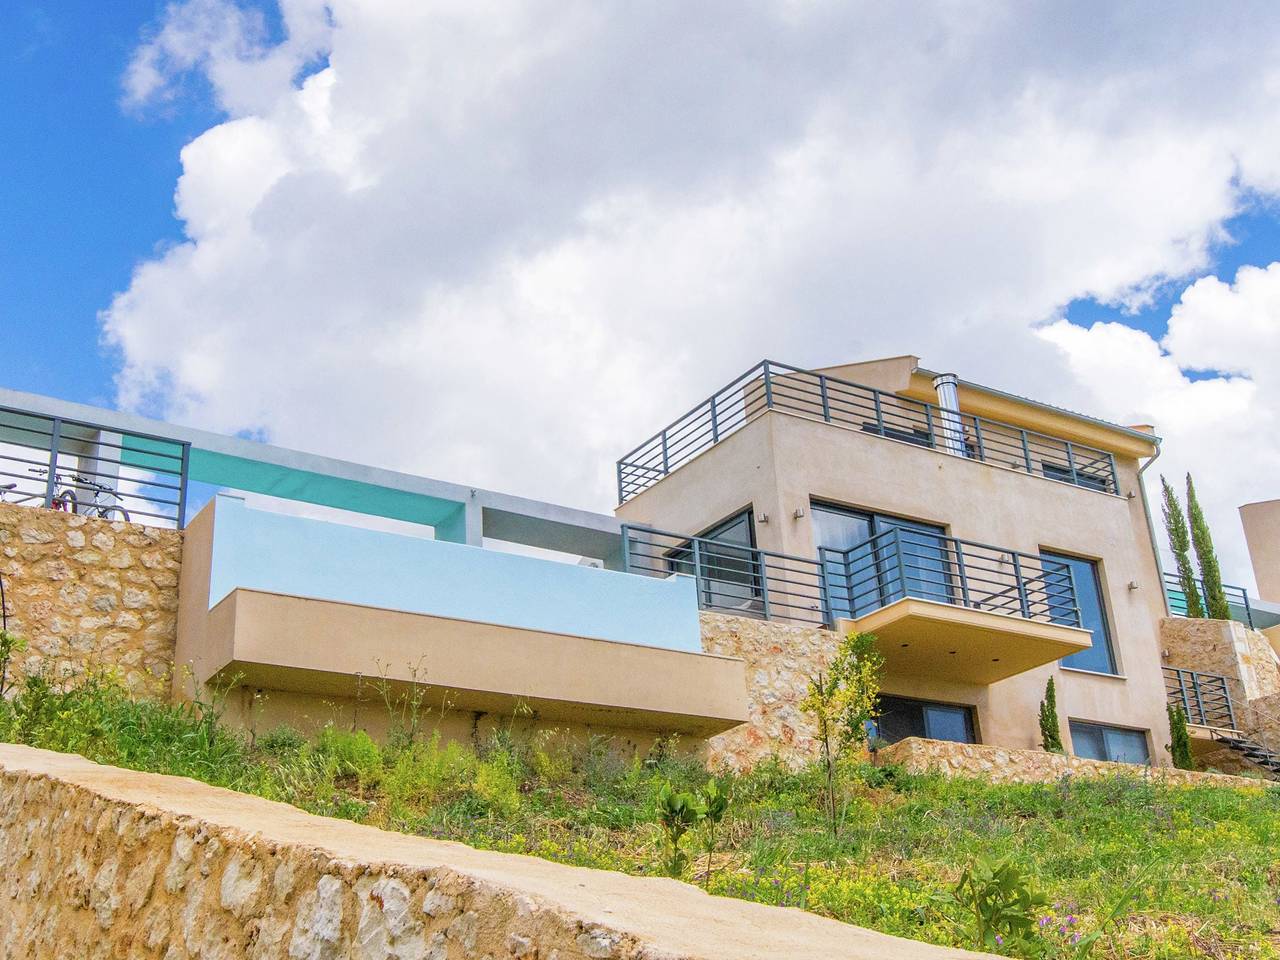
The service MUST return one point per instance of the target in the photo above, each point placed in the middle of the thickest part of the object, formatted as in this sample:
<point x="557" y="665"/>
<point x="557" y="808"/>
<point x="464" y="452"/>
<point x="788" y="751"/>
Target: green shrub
<point x="1179" y="739"/>
<point x="352" y="753"/>
<point x="1050" y="729"/>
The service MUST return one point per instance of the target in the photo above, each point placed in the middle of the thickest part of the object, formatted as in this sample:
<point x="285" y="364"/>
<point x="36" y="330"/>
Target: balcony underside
<point x="327" y="649"/>
<point x="923" y="638"/>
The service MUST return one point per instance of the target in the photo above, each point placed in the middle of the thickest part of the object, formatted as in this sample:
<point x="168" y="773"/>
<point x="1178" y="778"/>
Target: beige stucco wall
<point x="98" y="862"/>
<point x="90" y="594"/>
<point x="1000" y="765"/>
<point x="779" y="462"/>
<point x="1261" y="523"/>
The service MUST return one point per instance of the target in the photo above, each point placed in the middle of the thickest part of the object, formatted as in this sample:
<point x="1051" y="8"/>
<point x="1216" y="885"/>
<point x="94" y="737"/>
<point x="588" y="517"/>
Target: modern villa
<point x="988" y="541"/>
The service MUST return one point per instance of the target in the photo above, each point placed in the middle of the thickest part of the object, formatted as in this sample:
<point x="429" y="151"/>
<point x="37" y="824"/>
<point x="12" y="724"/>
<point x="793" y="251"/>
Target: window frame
<point x="679" y="560"/>
<point x="1104" y="728"/>
<point x="969" y="711"/>
<point x="1049" y="555"/>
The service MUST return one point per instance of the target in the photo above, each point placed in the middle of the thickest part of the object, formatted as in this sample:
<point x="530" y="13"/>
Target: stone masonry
<point x="1002" y="765"/>
<point x="89" y="593"/>
<point x="98" y="862"/>
<point x="780" y="660"/>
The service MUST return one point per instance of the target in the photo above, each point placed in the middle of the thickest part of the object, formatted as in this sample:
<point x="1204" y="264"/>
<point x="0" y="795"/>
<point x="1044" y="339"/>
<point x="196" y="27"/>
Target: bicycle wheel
<point x="66" y="500"/>
<point x="114" y="513"/>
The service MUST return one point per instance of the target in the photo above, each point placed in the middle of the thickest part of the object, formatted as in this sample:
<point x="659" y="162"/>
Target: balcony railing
<point x="733" y="578"/>
<point x="902" y="562"/>
<point x="1237" y="598"/>
<point x="1204" y="697"/>
<point x="893" y="565"/>
<point x="89" y="469"/>
<point x="776" y="386"/>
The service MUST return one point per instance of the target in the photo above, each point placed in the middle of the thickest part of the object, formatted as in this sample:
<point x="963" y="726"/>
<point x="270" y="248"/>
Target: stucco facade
<point x="1261" y="523"/>
<point x="779" y="464"/>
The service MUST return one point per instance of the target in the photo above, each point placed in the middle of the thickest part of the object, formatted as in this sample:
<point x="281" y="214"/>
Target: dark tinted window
<point x="1095" y="741"/>
<point x="901" y="718"/>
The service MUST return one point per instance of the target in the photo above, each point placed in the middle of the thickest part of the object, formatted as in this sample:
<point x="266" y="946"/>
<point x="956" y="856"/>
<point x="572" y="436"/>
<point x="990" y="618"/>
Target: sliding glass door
<point x="886" y="565"/>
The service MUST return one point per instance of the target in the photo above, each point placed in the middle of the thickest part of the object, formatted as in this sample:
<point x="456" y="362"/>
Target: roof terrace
<point x="778" y="387"/>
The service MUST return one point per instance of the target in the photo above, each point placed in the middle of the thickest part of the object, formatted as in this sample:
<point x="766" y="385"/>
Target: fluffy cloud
<point x="1221" y="428"/>
<point x="502" y="243"/>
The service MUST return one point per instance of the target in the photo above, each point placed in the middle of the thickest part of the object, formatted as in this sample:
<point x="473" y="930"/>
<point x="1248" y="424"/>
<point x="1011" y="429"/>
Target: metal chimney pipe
<point x="950" y="427"/>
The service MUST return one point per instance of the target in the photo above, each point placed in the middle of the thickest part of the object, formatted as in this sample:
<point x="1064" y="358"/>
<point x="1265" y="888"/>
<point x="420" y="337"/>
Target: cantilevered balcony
<point x="777" y="387"/>
<point x="939" y="606"/>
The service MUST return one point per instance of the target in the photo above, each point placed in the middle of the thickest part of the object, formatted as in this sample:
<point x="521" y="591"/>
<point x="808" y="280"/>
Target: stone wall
<point x="1223" y="647"/>
<point x="88" y="593"/>
<point x="97" y="862"/>
<point x="1001" y="765"/>
<point x="780" y="659"/>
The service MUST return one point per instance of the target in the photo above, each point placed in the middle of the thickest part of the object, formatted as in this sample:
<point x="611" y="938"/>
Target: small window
<point x="1061" y="572"/>
<point x="1093" y="741"/>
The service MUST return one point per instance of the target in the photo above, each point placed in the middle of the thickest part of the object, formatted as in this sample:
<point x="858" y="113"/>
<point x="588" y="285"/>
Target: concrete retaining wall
<point x="97" y="862"/>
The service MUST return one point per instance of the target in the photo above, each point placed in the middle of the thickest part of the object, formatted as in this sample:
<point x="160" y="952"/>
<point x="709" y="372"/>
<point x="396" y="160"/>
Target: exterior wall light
<point x="799" y="513"/>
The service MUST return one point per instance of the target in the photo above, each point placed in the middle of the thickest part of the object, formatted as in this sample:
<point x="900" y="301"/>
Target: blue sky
<point x="443" y="211"/>
<point x="86" y="191"/>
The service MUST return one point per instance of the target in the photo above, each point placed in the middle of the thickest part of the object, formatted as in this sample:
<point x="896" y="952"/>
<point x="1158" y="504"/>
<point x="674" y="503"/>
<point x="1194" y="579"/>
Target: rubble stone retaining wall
<point x="88" y="593"/>
<point x="780" y="659"/>
<point x="97" y="862"/>
<point x="1001" y="765"/>
<point x="1224" y="647"/>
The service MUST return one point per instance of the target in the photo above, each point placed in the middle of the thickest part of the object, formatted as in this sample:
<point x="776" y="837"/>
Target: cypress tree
<point x="1210" y="574"/>
<point x="1050" y="733"/>
<point x="1175" y="525"/>
<point x="1179" y="739"/>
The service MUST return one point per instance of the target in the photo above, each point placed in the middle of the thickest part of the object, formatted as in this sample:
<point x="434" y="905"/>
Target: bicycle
<point x="67" y="500"/>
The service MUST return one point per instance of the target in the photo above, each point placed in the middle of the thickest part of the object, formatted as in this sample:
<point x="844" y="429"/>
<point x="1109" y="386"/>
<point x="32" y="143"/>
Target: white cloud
<point x="502" y="243"/>
<point x="1221" y="429"/>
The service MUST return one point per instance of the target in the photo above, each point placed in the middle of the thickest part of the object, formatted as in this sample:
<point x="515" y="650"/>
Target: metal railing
<point x="1237" y="598"/>
<point x="93" y="470"/>
<point x="904" y="562"/>
<point x="776" y="386"/>
<point x="745" y="580"/>
<point x="732" y="577"/>
<point x="1204" y="697"/>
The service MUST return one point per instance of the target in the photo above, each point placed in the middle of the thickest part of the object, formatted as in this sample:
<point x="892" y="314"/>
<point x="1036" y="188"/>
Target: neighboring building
<point x="989" y="541"/>
<point x="1261" y="522"/>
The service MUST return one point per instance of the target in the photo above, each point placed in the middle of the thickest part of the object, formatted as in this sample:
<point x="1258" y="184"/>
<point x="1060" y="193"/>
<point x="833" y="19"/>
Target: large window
<point x="1097" y="742"/>
<point x="915" y="564"/>
<point x="728" y="575"/>
<point x="1093" y="615"/>
<point x="901" y="718"/>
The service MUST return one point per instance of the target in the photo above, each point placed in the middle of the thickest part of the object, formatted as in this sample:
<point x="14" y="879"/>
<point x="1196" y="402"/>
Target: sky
<point x="502" y="243"/>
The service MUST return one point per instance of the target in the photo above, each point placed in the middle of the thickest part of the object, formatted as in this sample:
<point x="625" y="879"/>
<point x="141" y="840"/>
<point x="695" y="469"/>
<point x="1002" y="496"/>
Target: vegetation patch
<point x="1154" y="871"/>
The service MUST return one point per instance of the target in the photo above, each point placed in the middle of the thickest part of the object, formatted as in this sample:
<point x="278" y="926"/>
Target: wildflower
<point x="1045" y="921"/>
<point x="999" y="940"/>
<point x="1071" y="920"/>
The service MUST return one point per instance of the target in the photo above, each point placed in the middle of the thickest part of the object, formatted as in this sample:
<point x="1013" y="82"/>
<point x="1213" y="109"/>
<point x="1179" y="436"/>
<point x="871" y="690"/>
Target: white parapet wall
<point x="98" y="862"/>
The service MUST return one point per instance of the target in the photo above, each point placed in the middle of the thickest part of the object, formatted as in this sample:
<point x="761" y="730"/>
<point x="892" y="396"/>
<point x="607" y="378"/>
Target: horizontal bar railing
<point x="898" y="563"/>
<point x="90" y="469"/>
<point x="776" y="386"/>
<point x="1237" y="598"/>
<point x="1205" y="698"/>
<point x="731" y="577"/>
<point x="904" y="562"/>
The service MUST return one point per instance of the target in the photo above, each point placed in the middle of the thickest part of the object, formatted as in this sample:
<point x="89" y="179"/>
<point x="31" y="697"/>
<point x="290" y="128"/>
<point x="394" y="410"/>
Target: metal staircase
<point x="1251" y="750"/>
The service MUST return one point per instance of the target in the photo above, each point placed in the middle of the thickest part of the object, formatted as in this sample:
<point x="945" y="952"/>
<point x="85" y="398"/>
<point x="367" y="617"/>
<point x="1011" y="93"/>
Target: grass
<point x="1203" y="862"/>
